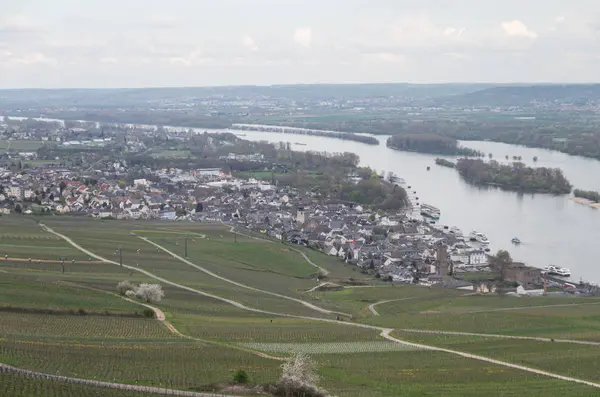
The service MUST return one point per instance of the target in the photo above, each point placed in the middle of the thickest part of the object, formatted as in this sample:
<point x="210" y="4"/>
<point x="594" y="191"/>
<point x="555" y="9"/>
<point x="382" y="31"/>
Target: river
<point x="553" y="229"/>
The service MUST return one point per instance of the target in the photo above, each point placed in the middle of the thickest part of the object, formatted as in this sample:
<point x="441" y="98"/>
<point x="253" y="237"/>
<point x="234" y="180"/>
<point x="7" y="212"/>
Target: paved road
<point x="300" y="301"/>
<point x="108" y="385"/>
<point x="384" y="332"/>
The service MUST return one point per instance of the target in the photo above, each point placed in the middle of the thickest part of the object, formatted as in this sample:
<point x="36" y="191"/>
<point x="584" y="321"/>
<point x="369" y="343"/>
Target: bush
<point x="124" y="286"/>
<point x="149" y="313"/>
<point x="241" y="377"/>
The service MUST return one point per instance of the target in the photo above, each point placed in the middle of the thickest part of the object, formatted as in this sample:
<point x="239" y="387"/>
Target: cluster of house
<point x="393" y="245"/>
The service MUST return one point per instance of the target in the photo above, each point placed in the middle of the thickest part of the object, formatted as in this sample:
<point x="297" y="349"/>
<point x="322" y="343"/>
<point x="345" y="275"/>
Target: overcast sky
<point x="135" y="43"/>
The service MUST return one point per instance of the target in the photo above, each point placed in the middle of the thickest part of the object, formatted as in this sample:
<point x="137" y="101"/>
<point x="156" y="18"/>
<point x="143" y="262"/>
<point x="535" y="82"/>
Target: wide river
<point x="553" y="229"/>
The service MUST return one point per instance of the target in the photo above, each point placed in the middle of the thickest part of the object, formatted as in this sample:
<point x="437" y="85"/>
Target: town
<point x="136" y="173"/>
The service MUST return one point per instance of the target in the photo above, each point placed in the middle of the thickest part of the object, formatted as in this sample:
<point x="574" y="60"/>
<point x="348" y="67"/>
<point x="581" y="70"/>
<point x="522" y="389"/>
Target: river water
<point x="553" y="229"/>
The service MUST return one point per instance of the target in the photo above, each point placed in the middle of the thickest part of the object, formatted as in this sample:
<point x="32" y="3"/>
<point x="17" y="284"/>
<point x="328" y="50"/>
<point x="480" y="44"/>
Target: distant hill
<point x="503" y="96"/>
<point x="127" y="96"/>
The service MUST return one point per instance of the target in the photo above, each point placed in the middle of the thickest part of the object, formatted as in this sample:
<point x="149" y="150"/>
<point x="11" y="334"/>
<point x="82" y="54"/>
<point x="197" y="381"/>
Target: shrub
<point x="149" y="313"/>
<point x="124" y="286"/>
<point x="241" y="377"/>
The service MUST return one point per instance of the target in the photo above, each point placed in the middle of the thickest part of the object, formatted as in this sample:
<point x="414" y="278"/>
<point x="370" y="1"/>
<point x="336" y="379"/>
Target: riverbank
<point x="586" y="202"/>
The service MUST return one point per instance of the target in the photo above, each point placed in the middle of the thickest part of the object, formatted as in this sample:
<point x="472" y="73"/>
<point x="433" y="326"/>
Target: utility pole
<point x="120" y="256"/>
<point x="186" y="239"/>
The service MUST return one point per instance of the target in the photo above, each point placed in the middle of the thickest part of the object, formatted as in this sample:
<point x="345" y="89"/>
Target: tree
<point x="151" y="293"/>
<point x="501" y="263"/>
<point x="535" y="158"/>
<point x="62" y="186"/>
<point x="299" y="378"/>
<point x="18" y="208"/>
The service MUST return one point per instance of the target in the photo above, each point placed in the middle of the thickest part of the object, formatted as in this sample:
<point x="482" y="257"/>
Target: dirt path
<point x="300" y="301"/>
<point x="533" y="338"/>
<point x="376" y="313"/>
<point x="384" y="332"/>
<point x="107" y="385"/>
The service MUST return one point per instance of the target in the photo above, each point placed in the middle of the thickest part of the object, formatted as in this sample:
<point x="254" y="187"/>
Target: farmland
<point x="238" y="302"/>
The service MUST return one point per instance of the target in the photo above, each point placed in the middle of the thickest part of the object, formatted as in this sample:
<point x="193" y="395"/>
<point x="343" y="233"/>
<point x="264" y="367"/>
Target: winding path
<point x="510" y="309"/>
<point x="376" y="313"/>
<point x="384" y="332"/>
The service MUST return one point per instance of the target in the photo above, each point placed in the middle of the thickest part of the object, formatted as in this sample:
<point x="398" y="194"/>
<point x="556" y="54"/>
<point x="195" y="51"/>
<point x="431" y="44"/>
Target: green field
<point x="73" y="323"/>
<point x="21" y="146"/>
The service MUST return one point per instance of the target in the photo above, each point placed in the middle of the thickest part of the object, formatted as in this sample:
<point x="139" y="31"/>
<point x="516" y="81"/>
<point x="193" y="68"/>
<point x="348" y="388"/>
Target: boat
<point x="300" y="143"/>
<point x="479" y="237"/>
<point x="456" y="231"/>
<point x="516" y="240"/>
<point x="430" y="211"/>
<point x="482" y="238"/>
<point x="557" y="271"/>
<point x="563" y="272"/>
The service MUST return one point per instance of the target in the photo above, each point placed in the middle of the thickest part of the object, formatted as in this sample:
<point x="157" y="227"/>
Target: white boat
<point x="479" y="237"/>
<point x="516" y="240"/>
<point x="563" y="272"/>
<point x="482" y="238"/>
<point x="557" y="271"/>
<point x="430" y="211"/>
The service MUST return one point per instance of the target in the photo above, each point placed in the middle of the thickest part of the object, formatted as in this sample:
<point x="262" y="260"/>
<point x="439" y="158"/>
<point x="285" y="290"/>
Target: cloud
<point x="108" y="61"/>
<point x="16" y="24"/>
<point x="9" y="59"/>
<point x="303" y="36"/>
<point x="517" y="28"/>
<point x="249" y="43"/>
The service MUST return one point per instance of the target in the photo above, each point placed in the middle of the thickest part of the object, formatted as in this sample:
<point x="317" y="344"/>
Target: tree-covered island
<point x="429" y="143"/>
<point x="515" y="176"/>
<point x="587" y="194"/>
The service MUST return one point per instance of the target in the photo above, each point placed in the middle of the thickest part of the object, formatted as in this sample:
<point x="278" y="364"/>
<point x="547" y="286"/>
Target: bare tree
<point x="501" y="262"/>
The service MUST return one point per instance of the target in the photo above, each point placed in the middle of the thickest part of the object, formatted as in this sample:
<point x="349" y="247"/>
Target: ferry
<point x="430" y="211"/>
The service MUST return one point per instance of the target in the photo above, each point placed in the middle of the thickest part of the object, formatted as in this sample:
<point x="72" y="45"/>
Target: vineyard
<point x="329" y="348"/>
<point x="70" y="321"/>
<point x="13" y="385"/>
<point x="77" y="326"/>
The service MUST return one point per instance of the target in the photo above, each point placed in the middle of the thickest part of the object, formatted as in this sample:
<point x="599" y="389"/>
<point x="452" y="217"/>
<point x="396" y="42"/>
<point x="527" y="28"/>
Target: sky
<point x="148" y="43"/>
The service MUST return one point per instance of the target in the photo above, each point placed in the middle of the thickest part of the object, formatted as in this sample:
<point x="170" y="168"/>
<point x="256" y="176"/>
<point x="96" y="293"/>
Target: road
<point x="384" y="332"/>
